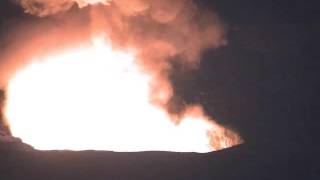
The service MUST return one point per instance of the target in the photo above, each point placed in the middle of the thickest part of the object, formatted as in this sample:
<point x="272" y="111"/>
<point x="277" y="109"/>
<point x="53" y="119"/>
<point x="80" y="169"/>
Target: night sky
<point x="264" y="84"/>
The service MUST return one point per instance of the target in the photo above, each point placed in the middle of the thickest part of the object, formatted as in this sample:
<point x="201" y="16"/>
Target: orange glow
<point x="96" y="97"/>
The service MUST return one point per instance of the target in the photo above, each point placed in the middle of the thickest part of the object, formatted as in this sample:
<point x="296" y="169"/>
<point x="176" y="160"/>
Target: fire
<point x="97" y="97"/>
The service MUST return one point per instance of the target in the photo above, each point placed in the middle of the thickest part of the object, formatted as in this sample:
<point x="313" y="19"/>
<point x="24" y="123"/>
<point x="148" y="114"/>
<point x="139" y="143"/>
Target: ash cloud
<point x="163" y="31"/>
<point x="49" y="7"/>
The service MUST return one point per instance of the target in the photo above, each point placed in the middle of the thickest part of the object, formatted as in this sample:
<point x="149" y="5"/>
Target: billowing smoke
<point x="162" y="31"/>
<point x="50" y="7"/>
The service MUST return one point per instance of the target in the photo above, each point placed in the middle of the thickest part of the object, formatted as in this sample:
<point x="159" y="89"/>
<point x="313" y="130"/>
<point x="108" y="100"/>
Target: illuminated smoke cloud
<point x="48" y="7"/>
<point x="161" y="30"/>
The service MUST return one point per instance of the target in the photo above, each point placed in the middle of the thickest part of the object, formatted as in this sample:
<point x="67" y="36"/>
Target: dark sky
<point x="265" y="82"/>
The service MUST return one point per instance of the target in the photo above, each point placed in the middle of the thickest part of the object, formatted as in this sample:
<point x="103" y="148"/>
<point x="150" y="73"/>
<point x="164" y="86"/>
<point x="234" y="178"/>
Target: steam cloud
<point x="49" y="7"/>
<point x="162" y="30"/>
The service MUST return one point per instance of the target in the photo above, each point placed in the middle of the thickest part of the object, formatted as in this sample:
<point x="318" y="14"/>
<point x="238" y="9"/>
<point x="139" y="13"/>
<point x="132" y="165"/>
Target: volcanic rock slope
<point x="235" y="163"/>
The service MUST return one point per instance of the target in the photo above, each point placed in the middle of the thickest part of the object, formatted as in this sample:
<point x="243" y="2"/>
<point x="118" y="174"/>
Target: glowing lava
<point x="95" y="97"/>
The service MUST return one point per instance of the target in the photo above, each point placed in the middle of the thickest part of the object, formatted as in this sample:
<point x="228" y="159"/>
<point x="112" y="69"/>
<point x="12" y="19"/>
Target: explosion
<point x="110" y="89"/>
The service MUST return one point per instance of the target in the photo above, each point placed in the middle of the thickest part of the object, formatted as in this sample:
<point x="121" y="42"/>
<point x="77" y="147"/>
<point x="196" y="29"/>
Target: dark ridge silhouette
<point x="4" y="129"/>
<point x="8" y="143"/>
<point x="241" y="162"/>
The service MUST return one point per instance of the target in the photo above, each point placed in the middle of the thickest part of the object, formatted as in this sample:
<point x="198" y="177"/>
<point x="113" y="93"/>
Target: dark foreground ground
<point x="240" y="162"/>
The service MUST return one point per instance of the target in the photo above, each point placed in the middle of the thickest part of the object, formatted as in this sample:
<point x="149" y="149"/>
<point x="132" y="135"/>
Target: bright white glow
<point x="83" y="3"/>
<point x="95" y="97"/>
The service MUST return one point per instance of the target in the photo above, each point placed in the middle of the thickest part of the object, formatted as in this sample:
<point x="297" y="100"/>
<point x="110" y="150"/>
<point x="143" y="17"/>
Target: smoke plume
<point x="49" y="7"/>
<point x="162" y="31"/>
